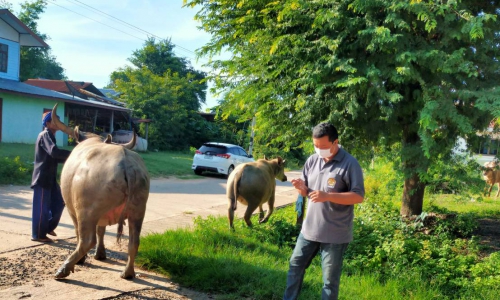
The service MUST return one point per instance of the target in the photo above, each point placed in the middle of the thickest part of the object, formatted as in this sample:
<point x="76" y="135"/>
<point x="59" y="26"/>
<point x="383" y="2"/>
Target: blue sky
<point x="90" y="45"/>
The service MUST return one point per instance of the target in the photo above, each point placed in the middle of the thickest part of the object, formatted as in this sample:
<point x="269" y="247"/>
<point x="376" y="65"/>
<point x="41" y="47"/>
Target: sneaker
<point x="52" y="233"/>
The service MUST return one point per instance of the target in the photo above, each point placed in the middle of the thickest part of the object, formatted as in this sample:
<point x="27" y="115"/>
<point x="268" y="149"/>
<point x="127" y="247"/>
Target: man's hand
<point x="300" y="186"/>
<point x="318" y="196"/>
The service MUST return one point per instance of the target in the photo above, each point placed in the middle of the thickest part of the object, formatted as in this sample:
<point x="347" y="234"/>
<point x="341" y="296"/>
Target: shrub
<point x="14" y="171"/>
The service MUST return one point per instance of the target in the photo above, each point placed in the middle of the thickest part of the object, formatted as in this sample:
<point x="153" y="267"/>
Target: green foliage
<point x="166" y="89"/>
<point x="418" y="73"/>
<point x="14" y="171"/>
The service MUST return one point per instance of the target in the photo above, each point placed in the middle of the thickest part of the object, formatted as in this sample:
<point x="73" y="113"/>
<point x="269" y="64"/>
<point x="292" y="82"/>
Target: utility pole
<point x="251" y="136"/>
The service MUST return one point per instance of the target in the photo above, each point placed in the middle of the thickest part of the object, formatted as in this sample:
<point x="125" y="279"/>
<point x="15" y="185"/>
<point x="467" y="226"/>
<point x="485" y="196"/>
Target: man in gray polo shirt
<point x="333" y="181"/>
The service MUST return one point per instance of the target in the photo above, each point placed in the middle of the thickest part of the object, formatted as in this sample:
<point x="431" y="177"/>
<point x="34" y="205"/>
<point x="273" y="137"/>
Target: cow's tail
<point x="121" y="222"/>
<point x="236" y="184"/>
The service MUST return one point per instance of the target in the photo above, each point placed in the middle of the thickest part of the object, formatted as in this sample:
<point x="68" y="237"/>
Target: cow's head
<point x="81" y="136"/>
<point x="280" y="171"/>
<point x="489" y="168"/>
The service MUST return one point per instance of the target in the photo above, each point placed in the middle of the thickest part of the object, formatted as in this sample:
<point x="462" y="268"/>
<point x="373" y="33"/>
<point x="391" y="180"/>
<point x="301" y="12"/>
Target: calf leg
<point x="250" y="209"/>
<point x="230" y="213"/>
<point x="489" y="190"/>
<point x="270" y="203"/>
<point x="498" y="191"/>
<point x="100" y="252"/>
<point x="261" y="213"/>
<point x="87" y="240"/>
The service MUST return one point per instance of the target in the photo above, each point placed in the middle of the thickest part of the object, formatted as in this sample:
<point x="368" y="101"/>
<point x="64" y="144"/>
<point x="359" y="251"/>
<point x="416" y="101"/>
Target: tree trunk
<point x="413" y="196"/>
<point x="413" y="162"/>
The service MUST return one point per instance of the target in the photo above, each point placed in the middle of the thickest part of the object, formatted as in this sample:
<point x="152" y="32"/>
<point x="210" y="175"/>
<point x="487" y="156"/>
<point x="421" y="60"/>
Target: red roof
<point x="58" y="85"/>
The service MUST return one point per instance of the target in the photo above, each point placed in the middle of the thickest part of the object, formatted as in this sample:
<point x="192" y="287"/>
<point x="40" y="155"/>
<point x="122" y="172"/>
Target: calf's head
<point x="280" y="170"/>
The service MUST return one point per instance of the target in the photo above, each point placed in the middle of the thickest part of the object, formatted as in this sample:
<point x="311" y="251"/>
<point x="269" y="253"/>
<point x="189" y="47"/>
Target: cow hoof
<point x="100" y="255"/>
<point x="127" y="275"/>
<point x="63" y="272"/>
<point x="82" y="260"/>
<point x="262" y="221"/>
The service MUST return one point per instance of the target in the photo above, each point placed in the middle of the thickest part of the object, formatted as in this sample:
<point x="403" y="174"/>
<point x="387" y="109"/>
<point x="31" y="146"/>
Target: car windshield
<point x="213" y="149"/>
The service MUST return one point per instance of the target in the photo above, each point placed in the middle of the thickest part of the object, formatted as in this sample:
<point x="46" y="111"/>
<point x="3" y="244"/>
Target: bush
<point x="14" y="171"/>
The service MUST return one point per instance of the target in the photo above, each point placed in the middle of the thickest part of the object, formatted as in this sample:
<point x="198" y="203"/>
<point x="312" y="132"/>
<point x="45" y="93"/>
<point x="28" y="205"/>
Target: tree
<point x="417" y="73"/>
<point x="36" y="62"/>
<point x="165" y="88"/>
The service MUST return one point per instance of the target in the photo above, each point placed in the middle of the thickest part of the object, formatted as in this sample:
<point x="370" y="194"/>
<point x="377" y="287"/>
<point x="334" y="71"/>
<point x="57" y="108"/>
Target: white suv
<point x="219" y="158"/>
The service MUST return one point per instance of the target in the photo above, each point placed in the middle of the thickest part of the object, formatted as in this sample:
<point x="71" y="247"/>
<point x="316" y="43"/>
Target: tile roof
<point x="58" y="85"/>
<point x="20" y="88"/>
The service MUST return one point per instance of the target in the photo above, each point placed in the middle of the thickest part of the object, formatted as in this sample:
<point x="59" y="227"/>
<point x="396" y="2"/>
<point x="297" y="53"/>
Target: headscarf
<point x="47" y="117"/>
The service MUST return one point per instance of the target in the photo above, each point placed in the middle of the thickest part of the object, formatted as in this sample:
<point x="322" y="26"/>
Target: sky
<point x="90" y="43"/>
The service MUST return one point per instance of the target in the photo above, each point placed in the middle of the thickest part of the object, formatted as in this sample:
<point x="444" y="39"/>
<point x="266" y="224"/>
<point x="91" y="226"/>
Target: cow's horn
<point x="108" y="139"/>
<point x="130" y="144"/>
<point x="60" y="125"/>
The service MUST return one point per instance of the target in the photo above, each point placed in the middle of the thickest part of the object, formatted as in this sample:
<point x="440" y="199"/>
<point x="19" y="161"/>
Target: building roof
<point x="58" y="85"/>
<point x="26" y="36"/>
<point x="84" y="90"/>
<point x="21" y="88"/>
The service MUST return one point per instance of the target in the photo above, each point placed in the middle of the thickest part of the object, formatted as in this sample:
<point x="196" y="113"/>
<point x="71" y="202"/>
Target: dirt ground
<point x="34" y="267"/>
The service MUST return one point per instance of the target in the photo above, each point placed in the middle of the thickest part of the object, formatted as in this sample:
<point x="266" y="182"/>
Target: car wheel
<point x="229" y="170"/>
<point x="198" y="172"/>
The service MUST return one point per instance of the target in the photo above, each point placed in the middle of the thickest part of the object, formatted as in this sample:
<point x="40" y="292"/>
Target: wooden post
<point x="112" y="121"/>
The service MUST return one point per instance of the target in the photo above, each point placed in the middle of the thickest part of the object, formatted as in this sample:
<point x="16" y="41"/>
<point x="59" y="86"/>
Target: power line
<point x="95" y="20"/>
<point x="115" y="19"/>
<point x="128" y="24"/>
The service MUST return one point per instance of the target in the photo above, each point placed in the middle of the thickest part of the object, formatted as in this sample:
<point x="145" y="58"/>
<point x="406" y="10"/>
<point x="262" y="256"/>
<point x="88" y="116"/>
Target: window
<point x="242" y="152"/>
<point x="489" y="146"/>
<point x="4" y="53"/>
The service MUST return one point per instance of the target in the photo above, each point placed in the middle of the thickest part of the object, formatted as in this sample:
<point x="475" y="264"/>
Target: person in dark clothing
<point x="48" y="203"/>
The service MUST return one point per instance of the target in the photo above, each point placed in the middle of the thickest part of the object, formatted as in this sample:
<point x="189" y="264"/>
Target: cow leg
<point x="135" y="226"/>
<point x="489" y="190"/>
<point x="261" y="212"/>
<point x="100" y="251"/>
<point x="498" y="191"/>
<point x="75" y="224"/>
<point x="270" y="203"/>
<point x="230" y="213"/>
<point x="250" y="209"/>
<point x="87" y="240"/>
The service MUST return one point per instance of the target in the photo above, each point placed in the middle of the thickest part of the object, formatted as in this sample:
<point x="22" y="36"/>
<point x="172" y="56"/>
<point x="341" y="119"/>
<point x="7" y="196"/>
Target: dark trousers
<point x="48" y="205"/>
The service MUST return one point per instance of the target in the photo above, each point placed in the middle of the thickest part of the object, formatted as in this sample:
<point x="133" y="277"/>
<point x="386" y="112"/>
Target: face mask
<point x="324" y="153"/>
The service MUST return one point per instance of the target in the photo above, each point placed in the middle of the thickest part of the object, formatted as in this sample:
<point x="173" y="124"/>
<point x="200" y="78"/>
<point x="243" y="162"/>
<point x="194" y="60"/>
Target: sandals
<point x="43" y="240"/>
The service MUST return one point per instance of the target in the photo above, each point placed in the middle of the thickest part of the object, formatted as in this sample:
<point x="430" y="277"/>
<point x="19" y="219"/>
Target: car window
<point x="242" y="152"/>
<point x="234" y="151"/>
<point x="213" y="149"/>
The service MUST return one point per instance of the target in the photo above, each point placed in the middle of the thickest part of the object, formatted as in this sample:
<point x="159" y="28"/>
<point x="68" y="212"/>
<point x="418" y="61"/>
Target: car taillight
<point x="225" y="155"/>
<point x="197" y="152"/>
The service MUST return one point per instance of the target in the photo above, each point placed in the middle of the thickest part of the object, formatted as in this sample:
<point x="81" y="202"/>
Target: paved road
<point x="172" y="203"/>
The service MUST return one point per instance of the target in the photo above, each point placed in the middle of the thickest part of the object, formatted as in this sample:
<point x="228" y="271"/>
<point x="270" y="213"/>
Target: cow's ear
<point x="284" y="161"/>
<point x="280" y="160"/>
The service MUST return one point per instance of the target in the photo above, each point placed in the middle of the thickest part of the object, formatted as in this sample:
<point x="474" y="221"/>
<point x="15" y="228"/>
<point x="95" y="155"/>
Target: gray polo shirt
<point x="329" y="222"/>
